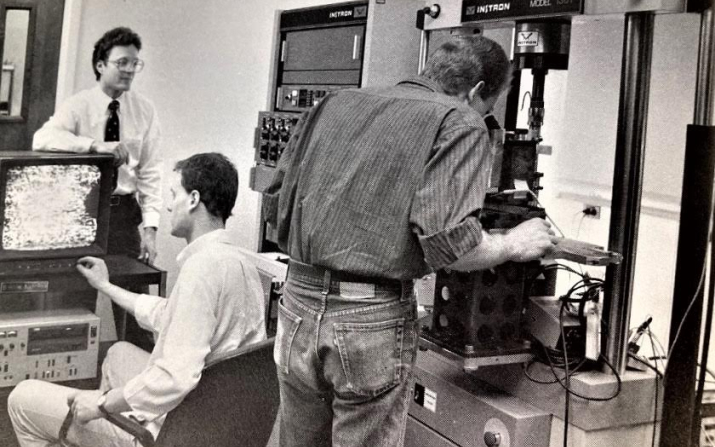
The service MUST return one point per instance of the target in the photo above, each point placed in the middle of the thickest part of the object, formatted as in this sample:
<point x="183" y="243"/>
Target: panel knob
<point x="492" y="439"/>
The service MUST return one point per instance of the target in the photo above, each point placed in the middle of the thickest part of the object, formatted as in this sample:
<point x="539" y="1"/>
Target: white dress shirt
<point x="216" y="306"/>
<point x="81" y="120"/>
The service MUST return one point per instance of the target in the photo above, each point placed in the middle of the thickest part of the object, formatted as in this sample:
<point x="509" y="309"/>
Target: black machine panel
<point x="320" y="47"/>
<point x="478" y="10"/>
<point x="329" y="15"/>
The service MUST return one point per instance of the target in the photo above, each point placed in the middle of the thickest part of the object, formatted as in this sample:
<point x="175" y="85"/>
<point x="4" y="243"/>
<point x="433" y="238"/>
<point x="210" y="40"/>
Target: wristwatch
<point x="101" y="402"/>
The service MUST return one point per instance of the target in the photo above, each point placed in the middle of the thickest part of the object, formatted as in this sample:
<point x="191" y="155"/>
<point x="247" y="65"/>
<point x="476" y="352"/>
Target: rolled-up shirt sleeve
<point x="445" y="208"/>
<point x="148" y="311"/>
<point x="187" y="336"/>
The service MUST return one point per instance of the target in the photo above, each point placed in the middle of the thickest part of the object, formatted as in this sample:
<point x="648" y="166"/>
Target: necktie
<point x="111" y="132"/>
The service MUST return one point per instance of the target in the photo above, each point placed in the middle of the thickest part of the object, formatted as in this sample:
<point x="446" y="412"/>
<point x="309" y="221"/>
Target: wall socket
<point x="592" y="211"/>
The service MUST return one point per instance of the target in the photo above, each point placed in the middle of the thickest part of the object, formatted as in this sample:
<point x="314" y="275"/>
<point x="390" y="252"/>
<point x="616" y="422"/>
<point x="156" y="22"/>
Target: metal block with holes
<point x="479" y="314"/>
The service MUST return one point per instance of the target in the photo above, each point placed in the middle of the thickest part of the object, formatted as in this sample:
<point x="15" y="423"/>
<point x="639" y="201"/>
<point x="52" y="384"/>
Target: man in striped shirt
<point x="376" y="188"/>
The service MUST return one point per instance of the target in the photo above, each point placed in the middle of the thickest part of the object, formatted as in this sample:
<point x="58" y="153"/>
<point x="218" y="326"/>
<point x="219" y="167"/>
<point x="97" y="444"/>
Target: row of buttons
<point x="8" y="334"/>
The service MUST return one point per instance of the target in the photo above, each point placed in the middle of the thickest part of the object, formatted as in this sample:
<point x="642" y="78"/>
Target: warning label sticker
<point x="425" y="397"/>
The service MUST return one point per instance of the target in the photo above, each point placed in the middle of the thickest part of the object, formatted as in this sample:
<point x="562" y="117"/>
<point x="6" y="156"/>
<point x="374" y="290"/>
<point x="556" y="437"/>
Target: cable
<point x="646" y="363"/>
<point x="586" y="287"/>
<point x="653" y="339"/>
<point x="528" y="376"/>
<point x="578" y="230"/>
<point x="533" y="195"/>
<point x="655" y="409"/>
<point x="567" y="400"/>
<point x="523" y="99"/>
<point x="685" y="315"/>
<point x="593" y="398"/>
<point x="573" y="219"/>
<point x="548" y="382"/>
<point x="704" y="352"/>
<point x="655" y="349"/>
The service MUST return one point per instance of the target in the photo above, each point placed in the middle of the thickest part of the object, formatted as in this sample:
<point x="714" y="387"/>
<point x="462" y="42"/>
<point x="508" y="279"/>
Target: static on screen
<point x="51" y="207"/>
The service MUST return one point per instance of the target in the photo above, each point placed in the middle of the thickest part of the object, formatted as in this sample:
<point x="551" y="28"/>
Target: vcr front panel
<point x="52" y="345"/>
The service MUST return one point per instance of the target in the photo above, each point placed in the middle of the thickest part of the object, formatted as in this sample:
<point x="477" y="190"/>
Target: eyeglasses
<point x="135" y="65"/>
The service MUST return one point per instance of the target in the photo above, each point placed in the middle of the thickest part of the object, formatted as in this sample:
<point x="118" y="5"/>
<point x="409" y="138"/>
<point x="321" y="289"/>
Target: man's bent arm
<point x="124" y="298"/>
<point x="528" y="241"/>
<point x="59" y="134"/>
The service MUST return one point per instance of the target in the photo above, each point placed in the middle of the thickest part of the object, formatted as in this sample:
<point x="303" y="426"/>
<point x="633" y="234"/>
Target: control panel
<point x="298" y="98"/>
<point x="272" y="135"/>
<point x="53" y="345"/>
<point x="35" y="266"/>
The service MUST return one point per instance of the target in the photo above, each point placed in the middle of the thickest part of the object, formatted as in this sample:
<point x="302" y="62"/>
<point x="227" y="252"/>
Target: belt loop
<point x="408" y="290"/>
<point x="326" y="282"/>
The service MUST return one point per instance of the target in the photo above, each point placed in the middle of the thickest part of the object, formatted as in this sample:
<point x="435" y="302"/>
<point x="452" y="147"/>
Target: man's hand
<point x="83" y="405"/>
<point x="148" y="245"/>
<point x="531" y="240"/>
<point x="94" y="270"/>
<point x="116" y="148"/>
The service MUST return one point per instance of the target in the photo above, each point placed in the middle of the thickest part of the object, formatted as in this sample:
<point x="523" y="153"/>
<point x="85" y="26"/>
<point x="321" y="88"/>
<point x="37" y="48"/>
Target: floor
<point x="7" y="435"/>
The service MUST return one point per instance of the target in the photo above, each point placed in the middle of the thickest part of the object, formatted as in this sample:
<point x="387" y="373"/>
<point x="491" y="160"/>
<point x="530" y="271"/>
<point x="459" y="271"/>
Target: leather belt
<point x="116" y="200"/>
<point x="319" y="273"/>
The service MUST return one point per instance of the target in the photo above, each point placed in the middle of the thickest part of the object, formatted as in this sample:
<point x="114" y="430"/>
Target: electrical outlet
<point x="592" y="211"/>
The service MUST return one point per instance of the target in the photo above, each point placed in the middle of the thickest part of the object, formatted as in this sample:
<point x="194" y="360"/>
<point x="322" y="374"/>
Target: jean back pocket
<point x="372" y="354"/>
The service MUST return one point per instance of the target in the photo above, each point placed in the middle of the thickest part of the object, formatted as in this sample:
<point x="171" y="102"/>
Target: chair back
<point x="234" y="404"/>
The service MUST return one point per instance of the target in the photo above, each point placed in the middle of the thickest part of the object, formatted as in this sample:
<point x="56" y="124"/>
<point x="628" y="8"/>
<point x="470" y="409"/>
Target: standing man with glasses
<point x="111" y="119"/>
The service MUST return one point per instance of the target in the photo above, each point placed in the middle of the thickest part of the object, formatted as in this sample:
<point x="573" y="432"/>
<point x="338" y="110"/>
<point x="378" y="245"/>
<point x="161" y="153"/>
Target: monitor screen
<point x="53" y="205"/>
<point x="50" y="207"/>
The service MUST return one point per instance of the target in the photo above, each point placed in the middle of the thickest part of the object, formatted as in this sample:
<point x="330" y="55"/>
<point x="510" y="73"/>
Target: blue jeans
<point x="344" y="353"/>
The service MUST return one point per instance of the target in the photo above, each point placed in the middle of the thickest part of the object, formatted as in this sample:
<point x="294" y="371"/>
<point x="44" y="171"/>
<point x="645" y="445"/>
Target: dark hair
<point x="460" y="63"/>
<point x="214" y="177"/>
<point x="117" y="37"/>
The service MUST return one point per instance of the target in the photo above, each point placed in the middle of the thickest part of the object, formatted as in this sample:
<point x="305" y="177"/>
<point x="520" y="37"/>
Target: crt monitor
<point x="54" y="205"/>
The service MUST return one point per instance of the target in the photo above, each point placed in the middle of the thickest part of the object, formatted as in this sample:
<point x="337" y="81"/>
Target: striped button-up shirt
<point x="382" y="182"/>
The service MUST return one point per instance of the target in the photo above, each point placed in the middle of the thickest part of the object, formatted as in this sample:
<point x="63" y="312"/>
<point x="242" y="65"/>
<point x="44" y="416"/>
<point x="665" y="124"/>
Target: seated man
<point x="215" y="307"/>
